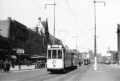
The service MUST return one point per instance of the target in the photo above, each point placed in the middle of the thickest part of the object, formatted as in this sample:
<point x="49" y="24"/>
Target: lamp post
<point x="54" y="20"/>
<point x="95" y="45"/>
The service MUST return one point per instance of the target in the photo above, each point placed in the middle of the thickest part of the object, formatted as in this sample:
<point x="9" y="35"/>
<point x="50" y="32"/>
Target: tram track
<point x="48" y="77"/>
<point x="83" y="73"/>
<point x="65" y="77"/>
<point x="79" y="72"/>
<point x="43" y="75"/>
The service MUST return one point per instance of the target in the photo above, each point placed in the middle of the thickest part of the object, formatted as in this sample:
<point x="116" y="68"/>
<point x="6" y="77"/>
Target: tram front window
<point x="54" y="54"/>
<point x="49" y="54"/>
<point x="59" y="54"/>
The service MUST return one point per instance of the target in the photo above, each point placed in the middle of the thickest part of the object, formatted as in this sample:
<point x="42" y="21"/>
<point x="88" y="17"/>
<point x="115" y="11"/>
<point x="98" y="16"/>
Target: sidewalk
<point x="23" y="67"/>
<point x="104" y="73"/>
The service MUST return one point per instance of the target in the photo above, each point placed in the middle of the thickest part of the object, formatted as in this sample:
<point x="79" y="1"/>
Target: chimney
<point x="39" y="20"/>
<point x="37" y="30"/>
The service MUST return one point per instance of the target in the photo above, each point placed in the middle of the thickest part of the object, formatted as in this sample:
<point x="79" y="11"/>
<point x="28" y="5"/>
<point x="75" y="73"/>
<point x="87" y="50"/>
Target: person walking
<point x="2" y="65"/>
<point x="7" y="66"/>
<point x="12" y="63"/>
<point x="5" y="63"/>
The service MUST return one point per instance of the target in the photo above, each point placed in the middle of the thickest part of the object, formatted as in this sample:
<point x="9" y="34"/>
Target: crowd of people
<point x="5" y="65"/>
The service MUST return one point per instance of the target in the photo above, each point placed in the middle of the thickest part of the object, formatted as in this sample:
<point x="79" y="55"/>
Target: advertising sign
<point x="20" y="50"/>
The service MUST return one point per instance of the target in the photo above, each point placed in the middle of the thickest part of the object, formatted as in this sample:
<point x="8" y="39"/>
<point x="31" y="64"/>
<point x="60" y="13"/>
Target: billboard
<point x="4" y="28"/>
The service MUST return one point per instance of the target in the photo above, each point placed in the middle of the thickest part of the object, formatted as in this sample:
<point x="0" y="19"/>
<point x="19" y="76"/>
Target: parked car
<point x="107" y="62"/>
<point x="38" y="65"/>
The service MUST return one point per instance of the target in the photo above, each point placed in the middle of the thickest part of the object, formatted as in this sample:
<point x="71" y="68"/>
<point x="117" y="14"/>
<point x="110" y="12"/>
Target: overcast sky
<point x="75" y="16"/>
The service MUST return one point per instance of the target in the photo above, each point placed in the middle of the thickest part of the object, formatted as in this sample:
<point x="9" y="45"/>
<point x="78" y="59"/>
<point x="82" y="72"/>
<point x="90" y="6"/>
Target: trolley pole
<point x="54" y="20"/>
<point x="64" y="38"/>
<point x="95" y="40"/>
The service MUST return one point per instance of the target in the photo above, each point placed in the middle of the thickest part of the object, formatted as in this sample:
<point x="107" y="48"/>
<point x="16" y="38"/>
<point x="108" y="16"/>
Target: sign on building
<point x="20" y="50"/>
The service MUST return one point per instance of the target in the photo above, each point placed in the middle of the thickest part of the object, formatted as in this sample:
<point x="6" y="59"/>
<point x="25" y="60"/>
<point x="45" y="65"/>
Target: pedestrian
<point x="79" y="63"/>
<point x="2" y="66"/>
<point x="7" y="66"/>
<point x="12" y="63"/>
<point x="5" y="63"/>
<point x="118" y="63"/>
<point x="28" y="63"/>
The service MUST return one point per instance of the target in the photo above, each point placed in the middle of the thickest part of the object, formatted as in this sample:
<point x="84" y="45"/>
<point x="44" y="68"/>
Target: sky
<point x="72" y="18"/>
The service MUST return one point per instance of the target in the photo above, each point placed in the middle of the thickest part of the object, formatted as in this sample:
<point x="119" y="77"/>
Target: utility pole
<point x="54" y="20"/>
<point x="118" y="42"/>
<point x="95" y="41"/>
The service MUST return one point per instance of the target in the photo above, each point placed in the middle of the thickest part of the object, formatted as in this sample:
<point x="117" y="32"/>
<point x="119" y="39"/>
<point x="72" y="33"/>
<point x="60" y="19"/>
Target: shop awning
<point x="13" y="57"/>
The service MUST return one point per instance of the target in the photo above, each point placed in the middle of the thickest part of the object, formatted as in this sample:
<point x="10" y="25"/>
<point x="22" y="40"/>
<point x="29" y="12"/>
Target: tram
<point x="60" y="58"/>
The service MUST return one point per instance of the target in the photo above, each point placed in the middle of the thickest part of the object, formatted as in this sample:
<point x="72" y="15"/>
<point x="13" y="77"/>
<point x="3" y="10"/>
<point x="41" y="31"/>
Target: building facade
<point x="4" y="38"/>
<point x="19" y="41"/>
<point x="36" y="43"/>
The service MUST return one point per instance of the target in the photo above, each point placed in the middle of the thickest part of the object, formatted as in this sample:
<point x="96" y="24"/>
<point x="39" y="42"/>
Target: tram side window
<point x="49" y="54"/>
<point x="59" y="54"/>
<point x="54" y="52"/>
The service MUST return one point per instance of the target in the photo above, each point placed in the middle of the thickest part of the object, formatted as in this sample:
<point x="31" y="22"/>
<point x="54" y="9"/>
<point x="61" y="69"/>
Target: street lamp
<point x="54" y="20"/>
<point x="95" y="45"/>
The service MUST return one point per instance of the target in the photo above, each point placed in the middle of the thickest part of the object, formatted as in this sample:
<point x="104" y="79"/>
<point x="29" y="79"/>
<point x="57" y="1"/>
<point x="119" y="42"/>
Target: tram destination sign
<point x="54" y="46"/>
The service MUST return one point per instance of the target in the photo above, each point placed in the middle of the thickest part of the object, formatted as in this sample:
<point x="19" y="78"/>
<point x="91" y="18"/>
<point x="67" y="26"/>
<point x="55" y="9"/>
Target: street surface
<point x="43" y="75"/>
<point x="104" y="73"/>
<point x="83" y="73"/>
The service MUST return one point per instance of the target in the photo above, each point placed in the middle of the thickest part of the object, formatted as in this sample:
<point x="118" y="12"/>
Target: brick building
<point x="4" y="39"/>
<point x="4" y="46"/>
<point x="36" y="43"/>
<point x="13" y="38"/>
<point x="19" y="41"/>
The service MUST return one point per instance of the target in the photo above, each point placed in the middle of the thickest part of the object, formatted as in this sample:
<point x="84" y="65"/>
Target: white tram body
<point x="60" y="58"/>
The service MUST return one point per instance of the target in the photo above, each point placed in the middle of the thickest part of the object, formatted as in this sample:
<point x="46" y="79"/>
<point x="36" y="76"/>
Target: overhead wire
<point x="75" y="20"/>
<point x="45" y="14"/>
<point x="41" y="10"/>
